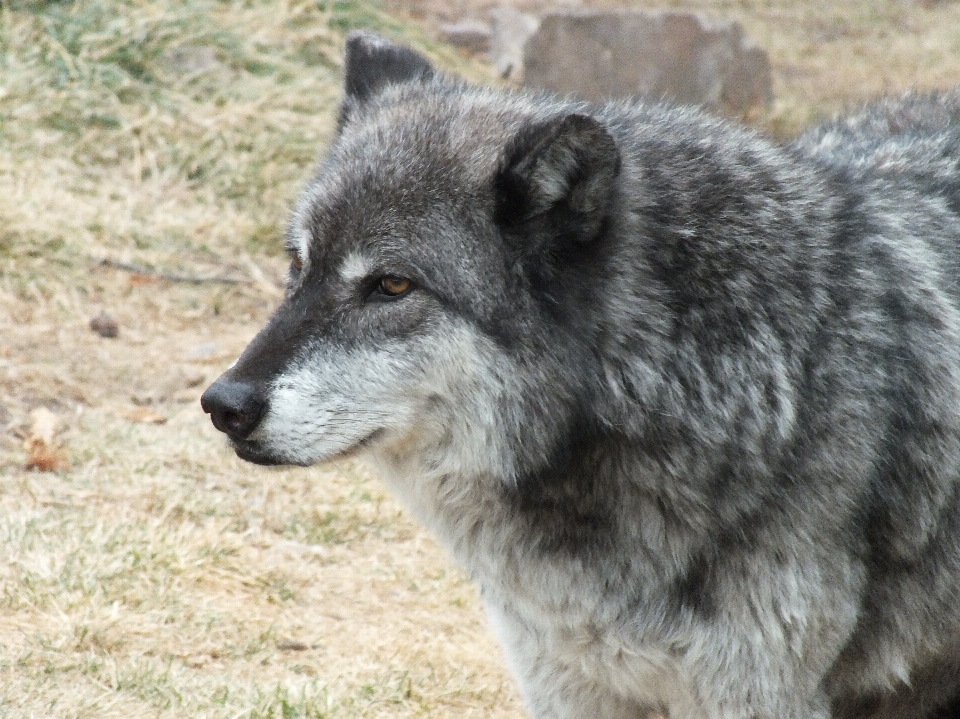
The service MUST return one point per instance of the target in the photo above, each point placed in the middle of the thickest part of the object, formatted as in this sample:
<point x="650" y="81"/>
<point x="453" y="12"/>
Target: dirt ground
<point x="144" y="570"/>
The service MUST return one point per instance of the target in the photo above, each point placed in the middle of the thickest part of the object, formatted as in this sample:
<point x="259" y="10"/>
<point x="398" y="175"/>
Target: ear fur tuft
<point x="559" y="175"/>
<point x="371" y="63"/>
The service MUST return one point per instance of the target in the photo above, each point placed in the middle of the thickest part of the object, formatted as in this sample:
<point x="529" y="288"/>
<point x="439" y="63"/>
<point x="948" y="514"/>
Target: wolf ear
<point x="557" y="178"/>
<point x="371" y="63"/>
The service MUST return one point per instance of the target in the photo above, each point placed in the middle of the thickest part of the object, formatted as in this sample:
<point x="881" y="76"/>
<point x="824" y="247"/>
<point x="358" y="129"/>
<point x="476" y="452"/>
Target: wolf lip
<point x="250" y="452"/>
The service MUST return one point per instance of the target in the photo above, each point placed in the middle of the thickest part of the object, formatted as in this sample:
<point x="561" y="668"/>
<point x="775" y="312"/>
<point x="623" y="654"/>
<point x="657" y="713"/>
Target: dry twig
<point x="170" y="276"/>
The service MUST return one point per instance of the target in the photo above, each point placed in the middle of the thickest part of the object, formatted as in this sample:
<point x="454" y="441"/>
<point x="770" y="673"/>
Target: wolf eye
<point x="393" y="286"/>
<point x="296" y="261"/>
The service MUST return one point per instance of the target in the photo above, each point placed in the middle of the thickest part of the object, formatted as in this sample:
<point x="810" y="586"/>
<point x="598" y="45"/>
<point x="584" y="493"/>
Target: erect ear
<point x="556" y="178"/>
<point x="371" y="63"/>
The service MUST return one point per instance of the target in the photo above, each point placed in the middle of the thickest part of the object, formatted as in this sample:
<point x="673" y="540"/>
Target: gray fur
<point x="685" y="403"/>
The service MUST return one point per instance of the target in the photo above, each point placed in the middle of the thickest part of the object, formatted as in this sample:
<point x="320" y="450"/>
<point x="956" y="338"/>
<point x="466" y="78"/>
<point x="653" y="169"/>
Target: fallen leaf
<point x="144" y="415"/>
<point x="44" y="425"/>
<point x="43" y="458"/>
<point x="43" y="453"/>
<point x="138" y="279"/>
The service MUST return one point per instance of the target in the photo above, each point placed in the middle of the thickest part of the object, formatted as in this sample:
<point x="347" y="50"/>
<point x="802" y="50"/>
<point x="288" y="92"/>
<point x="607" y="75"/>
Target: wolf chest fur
<point x="684" y="402"/>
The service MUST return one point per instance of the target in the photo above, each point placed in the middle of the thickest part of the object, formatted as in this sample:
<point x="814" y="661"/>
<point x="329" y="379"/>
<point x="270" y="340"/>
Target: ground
<point x="145" y="571"/>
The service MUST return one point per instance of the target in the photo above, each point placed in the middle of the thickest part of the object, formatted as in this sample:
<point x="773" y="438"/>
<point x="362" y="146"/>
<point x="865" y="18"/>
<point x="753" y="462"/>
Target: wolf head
<point x="443" y="262"/>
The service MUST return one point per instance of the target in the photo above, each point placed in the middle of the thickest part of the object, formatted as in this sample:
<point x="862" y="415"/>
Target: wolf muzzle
<point x="235" y="408"/>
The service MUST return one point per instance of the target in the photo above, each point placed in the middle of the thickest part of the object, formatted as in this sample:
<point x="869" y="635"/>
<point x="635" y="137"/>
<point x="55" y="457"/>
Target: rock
<point x="104" y="325"/>
<point x="509" y="32"/>
<point x="471" y="35"/>
<point x="685" y="57"/>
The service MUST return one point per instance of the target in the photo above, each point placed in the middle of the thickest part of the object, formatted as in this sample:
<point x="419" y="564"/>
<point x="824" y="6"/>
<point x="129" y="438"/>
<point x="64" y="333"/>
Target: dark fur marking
<point x="692" y="590"/>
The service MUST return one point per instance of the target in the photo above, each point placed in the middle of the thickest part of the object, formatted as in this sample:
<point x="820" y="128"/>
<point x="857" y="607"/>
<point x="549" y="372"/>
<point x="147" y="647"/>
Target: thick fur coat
<point x="684" y="402"/>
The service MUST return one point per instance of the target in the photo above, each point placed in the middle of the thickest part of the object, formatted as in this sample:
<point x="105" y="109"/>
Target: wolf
<point x="682" y="400"/>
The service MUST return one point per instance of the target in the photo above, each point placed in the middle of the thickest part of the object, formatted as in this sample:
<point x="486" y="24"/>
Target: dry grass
<point x="155" y="575"/>
<point x="152" y="574"/>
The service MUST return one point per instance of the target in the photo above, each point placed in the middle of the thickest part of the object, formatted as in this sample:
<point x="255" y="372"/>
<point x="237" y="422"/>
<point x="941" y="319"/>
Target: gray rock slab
<point x="510" y="31"/>
<point x="680" y="56"/>
<point x="471" y="35"/>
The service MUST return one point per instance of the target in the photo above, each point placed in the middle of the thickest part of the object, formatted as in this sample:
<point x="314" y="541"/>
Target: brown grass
<point x="151" y="573"/>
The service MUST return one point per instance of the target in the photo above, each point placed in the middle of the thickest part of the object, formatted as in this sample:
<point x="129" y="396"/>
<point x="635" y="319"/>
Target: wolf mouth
<point x="253" y="451"/>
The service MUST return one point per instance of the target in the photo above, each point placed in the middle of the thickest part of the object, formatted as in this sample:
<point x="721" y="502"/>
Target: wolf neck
<point x="558" y="524"/>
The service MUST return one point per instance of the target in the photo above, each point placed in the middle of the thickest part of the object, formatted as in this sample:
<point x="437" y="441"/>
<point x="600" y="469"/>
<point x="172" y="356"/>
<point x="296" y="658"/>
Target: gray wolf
<point x="683" y="401"/>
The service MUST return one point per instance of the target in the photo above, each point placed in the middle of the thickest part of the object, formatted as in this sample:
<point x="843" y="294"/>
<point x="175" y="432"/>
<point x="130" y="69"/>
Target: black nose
<point x="235" y="407"/>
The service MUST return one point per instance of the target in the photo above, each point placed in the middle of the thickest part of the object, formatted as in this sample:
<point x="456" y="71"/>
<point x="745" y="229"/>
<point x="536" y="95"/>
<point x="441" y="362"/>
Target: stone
<point x="105" y="325"/>
<point x="471" y="35"/>
<point x="509" y="32"/>
<point x="680" y="56"/>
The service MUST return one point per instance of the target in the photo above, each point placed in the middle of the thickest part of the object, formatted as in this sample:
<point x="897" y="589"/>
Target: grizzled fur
<point x="685" y="403"/>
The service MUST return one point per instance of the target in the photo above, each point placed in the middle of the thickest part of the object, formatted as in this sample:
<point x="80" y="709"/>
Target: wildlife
<point x="683" y="401"/>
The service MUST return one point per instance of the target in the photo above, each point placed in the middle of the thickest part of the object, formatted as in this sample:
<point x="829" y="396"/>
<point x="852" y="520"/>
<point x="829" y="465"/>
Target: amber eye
<point x="296" y="262"/>
<point x="394" y="286"/>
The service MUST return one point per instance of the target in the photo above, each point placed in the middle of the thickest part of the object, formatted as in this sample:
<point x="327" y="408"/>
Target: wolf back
<point x="683" y="401"/>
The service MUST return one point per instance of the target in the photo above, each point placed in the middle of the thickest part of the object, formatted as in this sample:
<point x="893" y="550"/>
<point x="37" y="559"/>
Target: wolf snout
<point x="235" y="408"/>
